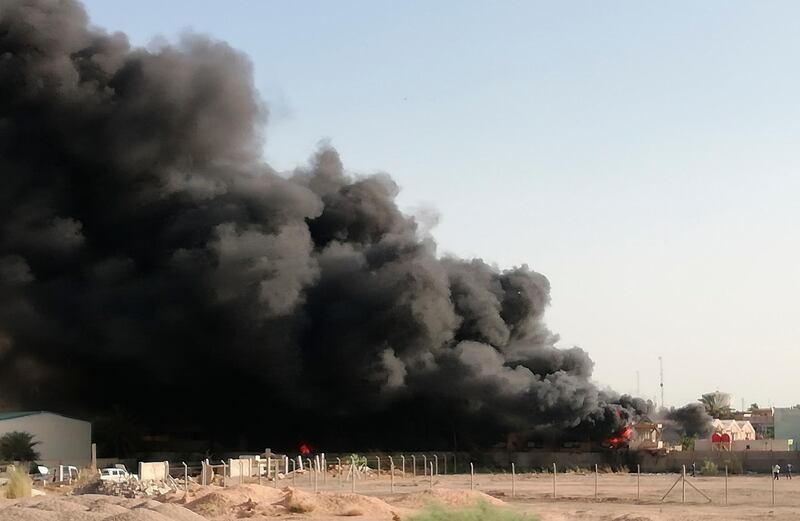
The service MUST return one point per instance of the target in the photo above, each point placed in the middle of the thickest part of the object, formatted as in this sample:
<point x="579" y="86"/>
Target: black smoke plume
<point x="691" y="420"/>
<point x="151" y="263"/>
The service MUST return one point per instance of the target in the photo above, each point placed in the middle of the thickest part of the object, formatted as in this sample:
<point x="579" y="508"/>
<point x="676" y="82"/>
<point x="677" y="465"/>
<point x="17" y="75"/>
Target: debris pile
<point x="131" y="489"/>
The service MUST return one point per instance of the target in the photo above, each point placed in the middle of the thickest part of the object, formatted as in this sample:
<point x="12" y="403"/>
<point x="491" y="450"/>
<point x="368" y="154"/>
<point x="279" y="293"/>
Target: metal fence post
<point x="683" y="484"/>
<point x="391" y="469"/>
<point x="414" y="465"/>
<point x="595" y="480"/>
<point x="294" y="473"/>
<point x="513" y="480"/>
<point x="403" y="463"/>
<point x="424" y="465"/>
<point x="555" y="471"/>
<point x="726" y="484"/>
<point x="339" y="466"/>
<point x="186" y="478"/>
<point x="773" y="488"/>
<point x="444" y="460"/>
<point x="471" y="476"/>
<point x="379" y="466"/>
<point x="436" y="465"/>
<point x="638" y="479"/>
<point x="431" y="475"/>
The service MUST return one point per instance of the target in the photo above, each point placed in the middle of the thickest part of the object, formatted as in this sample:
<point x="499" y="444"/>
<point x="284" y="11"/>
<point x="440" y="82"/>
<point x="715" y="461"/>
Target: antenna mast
<point x="661" y="373"/>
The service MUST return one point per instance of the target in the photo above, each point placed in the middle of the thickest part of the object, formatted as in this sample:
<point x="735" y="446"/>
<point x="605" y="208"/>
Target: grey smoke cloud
<point x="142" y="236"/>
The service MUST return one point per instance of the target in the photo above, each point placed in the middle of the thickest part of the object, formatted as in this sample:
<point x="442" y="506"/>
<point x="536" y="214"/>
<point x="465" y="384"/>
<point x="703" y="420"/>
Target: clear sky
<point x="644" y="156"/>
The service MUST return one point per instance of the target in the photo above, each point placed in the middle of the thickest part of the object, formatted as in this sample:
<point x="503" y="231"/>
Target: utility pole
<point x="661" y="373"/>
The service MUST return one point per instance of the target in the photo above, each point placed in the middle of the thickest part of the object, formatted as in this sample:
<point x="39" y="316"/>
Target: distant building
<point x="739" y="435"/>
<point x="762" y="420"/>
<point x="62" y="440"/>
<point x="735" y="429"/>
<point x="787" y="424"/>
<point x="646" y="436"/>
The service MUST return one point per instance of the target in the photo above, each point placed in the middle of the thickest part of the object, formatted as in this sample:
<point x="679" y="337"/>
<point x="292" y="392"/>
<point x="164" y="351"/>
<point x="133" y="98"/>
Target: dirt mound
<point x="213" y="504"/>
<point x="445" y="496"/>
<point x="631" y="517"/>
<point x="92" y="508"/>
<point x="337" y="504"/>
<point x="241" y="500"/>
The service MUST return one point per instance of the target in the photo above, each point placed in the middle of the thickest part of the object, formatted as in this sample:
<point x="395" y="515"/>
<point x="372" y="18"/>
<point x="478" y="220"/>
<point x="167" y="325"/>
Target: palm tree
<point x="18" y="446"/>
<point x="716" y="404"/>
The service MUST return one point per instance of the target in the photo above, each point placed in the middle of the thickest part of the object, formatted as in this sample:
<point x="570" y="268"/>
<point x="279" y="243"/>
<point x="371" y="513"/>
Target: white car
<point x="115" y="474"/>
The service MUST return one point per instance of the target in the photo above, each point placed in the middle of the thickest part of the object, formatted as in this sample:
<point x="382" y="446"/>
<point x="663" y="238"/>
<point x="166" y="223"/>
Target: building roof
<point x="16" y="414"/>
<point x="10" y="415"/>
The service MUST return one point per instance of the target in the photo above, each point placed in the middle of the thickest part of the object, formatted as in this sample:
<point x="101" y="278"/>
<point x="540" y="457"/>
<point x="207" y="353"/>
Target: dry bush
<point x="19" y="484"/>
<point x="352" y="512"/>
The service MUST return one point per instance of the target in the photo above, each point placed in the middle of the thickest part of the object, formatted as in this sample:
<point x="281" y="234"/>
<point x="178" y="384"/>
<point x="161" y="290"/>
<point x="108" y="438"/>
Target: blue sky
<point x="643" y="156"/>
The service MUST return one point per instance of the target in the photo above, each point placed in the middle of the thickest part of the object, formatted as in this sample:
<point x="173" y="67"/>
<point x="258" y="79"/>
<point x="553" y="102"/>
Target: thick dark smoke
<point x="150" y="262"/>
<point x="691" y="420"/>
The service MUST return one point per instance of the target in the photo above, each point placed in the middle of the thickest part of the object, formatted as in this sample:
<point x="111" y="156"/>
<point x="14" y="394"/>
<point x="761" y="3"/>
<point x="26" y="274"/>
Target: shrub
<point x="734" y="466"/>
<point x="18" y="446"/>
<point x="481" y="512"/>
<point x="709" y="468"/>
<point x="19" y="484"/>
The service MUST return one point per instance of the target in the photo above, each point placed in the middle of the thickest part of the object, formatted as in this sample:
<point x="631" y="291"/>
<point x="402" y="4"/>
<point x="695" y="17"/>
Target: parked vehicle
<point x="116" y="475"/>
<point x="66" y="474"/>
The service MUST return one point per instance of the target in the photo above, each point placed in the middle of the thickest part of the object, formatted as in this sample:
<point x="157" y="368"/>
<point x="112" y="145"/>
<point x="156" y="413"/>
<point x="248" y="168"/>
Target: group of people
<point x="776" y="471"/>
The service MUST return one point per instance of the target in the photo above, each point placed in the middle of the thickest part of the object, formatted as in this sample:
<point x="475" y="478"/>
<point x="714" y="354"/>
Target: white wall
<point x="61" y="440"/>
<point x="153" y="471"/>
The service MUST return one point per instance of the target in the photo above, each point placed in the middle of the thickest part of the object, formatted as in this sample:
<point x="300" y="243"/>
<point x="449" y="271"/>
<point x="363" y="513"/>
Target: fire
<point x="305" y="449"/>
<point x="622" y="438"/>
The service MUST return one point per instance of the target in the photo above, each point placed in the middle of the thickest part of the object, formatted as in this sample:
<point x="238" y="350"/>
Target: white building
<point x="62" y="440"/>
<point x="736" y="430"/>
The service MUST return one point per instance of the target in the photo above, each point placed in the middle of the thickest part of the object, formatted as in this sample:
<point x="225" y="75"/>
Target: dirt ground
<point x="749" y="497"/>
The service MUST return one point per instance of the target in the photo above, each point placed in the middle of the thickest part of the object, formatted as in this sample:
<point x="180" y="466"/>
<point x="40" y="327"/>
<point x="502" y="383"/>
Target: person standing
<point x="788" y="471"/>
<point x="694" y="469"/>
<point x="776" y="471"/>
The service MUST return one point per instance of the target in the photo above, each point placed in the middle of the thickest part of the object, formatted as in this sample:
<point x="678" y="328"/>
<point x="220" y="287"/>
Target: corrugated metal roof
<point x="17" y="414"/>
<point x="10" y="415"/>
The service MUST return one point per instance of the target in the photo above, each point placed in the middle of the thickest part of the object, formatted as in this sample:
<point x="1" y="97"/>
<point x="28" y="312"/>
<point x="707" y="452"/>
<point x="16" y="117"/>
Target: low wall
<point x="737" y="462"/>
<point x="153" y="471"/>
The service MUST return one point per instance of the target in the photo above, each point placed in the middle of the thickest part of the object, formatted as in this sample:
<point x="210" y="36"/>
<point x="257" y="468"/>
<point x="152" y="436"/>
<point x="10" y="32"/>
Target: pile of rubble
<point x="131" y="489"/>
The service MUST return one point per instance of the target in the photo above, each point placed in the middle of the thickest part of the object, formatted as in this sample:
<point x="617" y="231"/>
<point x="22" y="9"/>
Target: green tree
<point x="715" y="405"/>
<point x="687" y="442"/>
<point x="18" y="446"/>
<point x="753" y="407"/>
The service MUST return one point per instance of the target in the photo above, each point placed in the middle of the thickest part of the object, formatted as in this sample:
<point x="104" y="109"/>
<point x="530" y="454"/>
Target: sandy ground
<point x="749" y="497"/>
